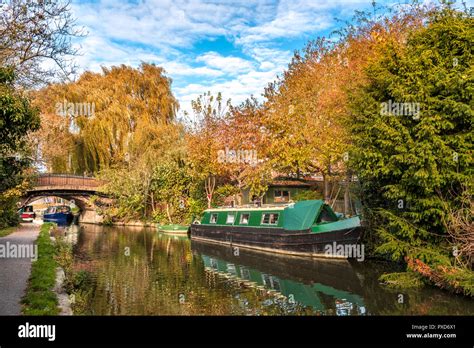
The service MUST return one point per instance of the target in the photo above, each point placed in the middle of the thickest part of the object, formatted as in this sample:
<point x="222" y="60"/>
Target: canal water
<point x="136" y="271"/>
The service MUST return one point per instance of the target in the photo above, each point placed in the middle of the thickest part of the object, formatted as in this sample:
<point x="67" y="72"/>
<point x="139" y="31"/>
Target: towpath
<point x="14" y="272"/>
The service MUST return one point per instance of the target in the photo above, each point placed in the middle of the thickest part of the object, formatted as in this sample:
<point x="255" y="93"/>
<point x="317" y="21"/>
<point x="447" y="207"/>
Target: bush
<point x="402" y="280"/>
<point x="307" y="194"/>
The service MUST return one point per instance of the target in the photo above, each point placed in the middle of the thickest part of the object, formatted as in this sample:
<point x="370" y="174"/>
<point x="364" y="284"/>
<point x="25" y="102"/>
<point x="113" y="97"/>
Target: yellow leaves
<point x="376" y="36"/>
<point x="16" y="191"/>
<point x="134" y="110"/>
<point x="316" y="129"/>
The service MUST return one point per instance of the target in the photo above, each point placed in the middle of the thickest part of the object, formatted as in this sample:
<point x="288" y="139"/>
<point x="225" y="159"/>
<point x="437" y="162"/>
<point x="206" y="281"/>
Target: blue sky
<point x="233" y="46"/>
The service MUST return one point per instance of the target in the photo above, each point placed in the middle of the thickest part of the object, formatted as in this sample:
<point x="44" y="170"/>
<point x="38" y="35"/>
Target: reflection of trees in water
<point x="381" y="300"/>
<point x="159" y="277"/>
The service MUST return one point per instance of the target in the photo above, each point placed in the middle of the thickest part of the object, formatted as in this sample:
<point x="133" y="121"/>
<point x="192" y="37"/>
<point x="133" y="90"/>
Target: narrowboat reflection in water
<point x="328" y="286"/>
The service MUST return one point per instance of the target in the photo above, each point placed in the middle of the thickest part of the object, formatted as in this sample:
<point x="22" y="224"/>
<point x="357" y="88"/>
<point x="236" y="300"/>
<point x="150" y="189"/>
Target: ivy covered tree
<point x="412" y="133"/>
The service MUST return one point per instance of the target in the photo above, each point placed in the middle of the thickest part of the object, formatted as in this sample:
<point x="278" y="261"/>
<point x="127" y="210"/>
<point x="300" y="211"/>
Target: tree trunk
<point x="210" y="184"/>
<point x="326" y="187"/>
<point x="239" y="195"/>
<point x="147" y="183"/>
<point x="153" y="202"/>
<point x="326" y="176"/>
<point x="347" y="206"/>
<point x="168" y="212"/>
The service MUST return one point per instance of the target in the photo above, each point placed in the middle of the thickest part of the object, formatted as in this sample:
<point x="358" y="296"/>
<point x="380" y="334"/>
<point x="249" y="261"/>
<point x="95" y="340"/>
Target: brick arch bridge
<point x="70" y="187"/>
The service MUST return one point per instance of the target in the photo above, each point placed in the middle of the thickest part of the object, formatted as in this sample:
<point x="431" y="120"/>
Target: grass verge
<point x="6" y="231"/>
<point x="40" y="298"/>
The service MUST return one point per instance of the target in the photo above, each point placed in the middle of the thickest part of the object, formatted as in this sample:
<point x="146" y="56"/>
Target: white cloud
<point x="166" y="32"/>
<point x="158" y="23"/>
<point x="237" y="89"/>
<point x="296" y="18"/>
<point x="290" y="24"/>
<point x="229" y="64"/>
<point x="97" y="52"/>
<point x="266" y="55"/>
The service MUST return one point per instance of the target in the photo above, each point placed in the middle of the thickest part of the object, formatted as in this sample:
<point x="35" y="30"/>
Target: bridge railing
<point x="66" y="180"/>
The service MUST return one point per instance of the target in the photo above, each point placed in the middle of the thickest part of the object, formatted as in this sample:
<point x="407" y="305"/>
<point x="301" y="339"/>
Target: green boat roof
<point x="301" y="215"/>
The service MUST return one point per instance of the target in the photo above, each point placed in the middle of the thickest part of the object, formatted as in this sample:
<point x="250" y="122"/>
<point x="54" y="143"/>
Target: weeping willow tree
<point x="106" y="119"/>
<point x="118" y="125"/>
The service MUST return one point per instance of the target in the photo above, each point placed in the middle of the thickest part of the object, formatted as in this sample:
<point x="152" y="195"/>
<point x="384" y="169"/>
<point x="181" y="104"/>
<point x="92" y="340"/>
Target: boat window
<point x="325" y="216"/>
<point x="271" y="282"/>
<point x="230" y="218"/>
<point x="273" y="219"/>
<point x="245" y="273"/>
<point x="213" y="219"/>
<point x="270" y="219"/>
<point x="244" y="218"/>
<point x="281" y="196"/>
<point x="231" y="269"/>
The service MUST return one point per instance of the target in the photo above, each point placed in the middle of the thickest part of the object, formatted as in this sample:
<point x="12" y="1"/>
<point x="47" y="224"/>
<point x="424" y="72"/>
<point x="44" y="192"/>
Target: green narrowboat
<point x="305" y="228"/>
<point x="173" y="229"/>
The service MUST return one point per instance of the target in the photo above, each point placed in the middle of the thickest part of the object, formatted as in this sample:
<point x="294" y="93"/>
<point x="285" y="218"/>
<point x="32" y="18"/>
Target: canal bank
<point x="14" y="272"/>
<point x="98" y="220"/>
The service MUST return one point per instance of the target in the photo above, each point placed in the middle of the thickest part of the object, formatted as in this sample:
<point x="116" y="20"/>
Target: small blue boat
<point x="60" y="214"/>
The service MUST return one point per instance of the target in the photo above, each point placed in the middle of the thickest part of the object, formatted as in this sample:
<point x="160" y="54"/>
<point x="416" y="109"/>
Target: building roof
<point x="306" y="181"/>
<point x="289" y="183"/>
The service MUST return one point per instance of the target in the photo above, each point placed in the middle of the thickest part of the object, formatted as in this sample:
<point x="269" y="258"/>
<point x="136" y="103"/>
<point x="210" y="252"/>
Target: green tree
<point x="413" y="136"/>
<point x="171" y="186"/>
<point x="17" y="119"/>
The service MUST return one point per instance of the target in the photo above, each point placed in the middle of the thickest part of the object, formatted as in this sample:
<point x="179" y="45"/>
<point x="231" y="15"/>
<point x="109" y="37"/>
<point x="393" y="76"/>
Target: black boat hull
<point x="299" y="243"/>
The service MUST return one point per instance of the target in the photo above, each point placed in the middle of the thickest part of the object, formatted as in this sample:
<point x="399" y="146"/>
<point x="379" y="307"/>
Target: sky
<point x="231" y="46"/>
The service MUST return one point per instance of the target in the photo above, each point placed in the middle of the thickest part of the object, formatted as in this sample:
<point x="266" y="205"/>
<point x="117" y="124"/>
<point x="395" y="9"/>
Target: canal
<point x="137" y="271"/>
